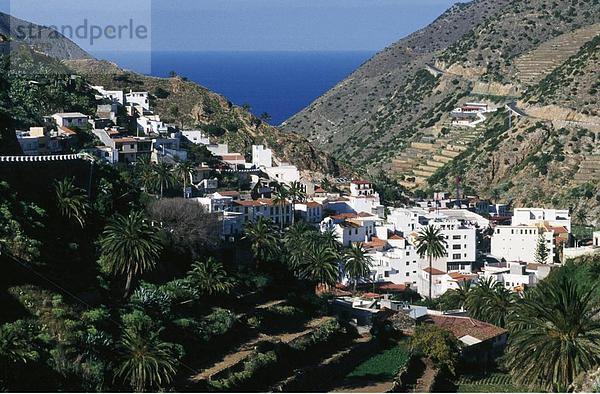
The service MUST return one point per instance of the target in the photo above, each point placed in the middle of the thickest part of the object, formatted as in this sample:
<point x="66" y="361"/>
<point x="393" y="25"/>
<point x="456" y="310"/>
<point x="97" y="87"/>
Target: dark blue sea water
<point x="279" y="83"/>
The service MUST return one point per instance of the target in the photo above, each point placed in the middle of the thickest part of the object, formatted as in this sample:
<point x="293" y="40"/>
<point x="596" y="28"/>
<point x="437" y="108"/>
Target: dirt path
<point x="425" y="382"/>
<point x="247" y="348"/>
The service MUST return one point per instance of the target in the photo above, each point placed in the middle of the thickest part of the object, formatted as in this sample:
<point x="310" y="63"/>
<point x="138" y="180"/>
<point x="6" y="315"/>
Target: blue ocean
<point x="278" y="83"/>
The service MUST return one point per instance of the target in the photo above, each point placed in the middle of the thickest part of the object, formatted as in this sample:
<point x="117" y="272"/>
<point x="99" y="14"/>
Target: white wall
<point x="519" y="243"/>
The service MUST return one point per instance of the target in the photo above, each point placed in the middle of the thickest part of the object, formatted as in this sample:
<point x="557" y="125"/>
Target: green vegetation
<point x="437" y="344"/>
<point x="431" y="243"/>
<point x="495" y="382"/>
<point x="384" y="365"/>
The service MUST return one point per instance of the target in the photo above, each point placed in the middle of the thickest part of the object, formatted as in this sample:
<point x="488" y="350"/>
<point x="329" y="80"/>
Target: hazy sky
<point x="226" y="25"/>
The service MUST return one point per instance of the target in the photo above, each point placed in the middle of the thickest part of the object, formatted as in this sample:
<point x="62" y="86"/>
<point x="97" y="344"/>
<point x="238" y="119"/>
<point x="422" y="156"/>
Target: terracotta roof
<point x="434" y="271"/>
<point x="343" y="216"/>
<point x="392" y="287"/>
<point x="319" y="190"/>
<point x="461" y="326"/>
<point x="375" y="243"/>
<point x="347" y="224"/>
<point x="313" y="204"/>
<point x="361" y="182"/>
<point x="559" y="230"/>
<point x="232" y="156"/>
<point x="461" y="277"/>
<point x="67" y="131"/>
<point x="229" y="193"/>
<point x="396" y="236"/>
<point x="255" y="203"/>
<point x="364" y="215"/>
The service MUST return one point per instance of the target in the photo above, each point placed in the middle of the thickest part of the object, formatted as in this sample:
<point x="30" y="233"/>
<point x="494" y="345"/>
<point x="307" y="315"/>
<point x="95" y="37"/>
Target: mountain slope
<point x="538" y="57"/>
<point x="14" y="31"/>
<point x="376" y="103"/>
<point x="183" y="102"/>
<point x="375" y="113"/>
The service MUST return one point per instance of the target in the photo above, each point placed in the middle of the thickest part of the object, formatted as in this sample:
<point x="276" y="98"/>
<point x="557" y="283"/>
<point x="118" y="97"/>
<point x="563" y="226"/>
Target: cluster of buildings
<point x="470" y="114"/>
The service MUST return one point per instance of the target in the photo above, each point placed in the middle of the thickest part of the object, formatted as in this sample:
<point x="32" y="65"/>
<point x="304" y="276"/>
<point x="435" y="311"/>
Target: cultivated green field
<point x="383" y="365"/>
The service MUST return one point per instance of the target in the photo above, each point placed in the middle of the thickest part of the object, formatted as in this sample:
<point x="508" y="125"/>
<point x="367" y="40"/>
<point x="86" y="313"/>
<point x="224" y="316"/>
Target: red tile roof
<point x="230" y="193"/>
<point x="559" y="230"/>
<point x="434" y="271"/>
<point x="232" y="157"/>
<point x="396" y="236"/>
<point x="319" y="190"/>
<point x="343" y="216"/>
<point x="392" y="287"/>
<point x="461" y="326"/>
<point x="313" y="204"/>
<point x="361" y="182"/>
<point x="67" y="131"/>
<point x="461" y="277"/>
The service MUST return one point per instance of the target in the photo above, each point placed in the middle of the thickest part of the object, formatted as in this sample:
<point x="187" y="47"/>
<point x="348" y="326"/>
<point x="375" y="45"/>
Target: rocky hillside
<point x="539" y="57"/>
<point x="14" y="31"/>
<point x="185" y="103"/>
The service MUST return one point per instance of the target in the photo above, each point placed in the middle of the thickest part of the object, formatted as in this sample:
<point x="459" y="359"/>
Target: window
<point x="408" y="273"/>
<point x="456" y="256"/>
<point x="455" y="247"/>
<point x="456" y="237"/>
<point x="408" y="253"/>
<point x="408" y="262"/>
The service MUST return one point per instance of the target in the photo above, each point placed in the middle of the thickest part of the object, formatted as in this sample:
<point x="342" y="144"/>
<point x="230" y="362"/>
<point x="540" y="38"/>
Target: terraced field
<point x="535" y="65"/>
<point x="492" y="383"/>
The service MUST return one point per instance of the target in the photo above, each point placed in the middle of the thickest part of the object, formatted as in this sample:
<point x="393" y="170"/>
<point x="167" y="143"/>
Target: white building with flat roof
<point x="261" y="156"/>
<point x="141" y="99"/>
<point x="519" y="242"/>
<point x="532" y="216"/>
<point x="196" y="137"/>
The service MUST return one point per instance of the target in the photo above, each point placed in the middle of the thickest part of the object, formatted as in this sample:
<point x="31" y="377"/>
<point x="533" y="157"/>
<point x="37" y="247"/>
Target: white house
<point x="515" y="276"/>
<point x="196" y="137"/>
<point x="216" y="202"/>
<point x="347" y="231"/>
<point x="533" y="216"/>
<point x="283" y="174"/>
<point x="138" y="99"/>
<point x="70" y="119"/>
<point x="519" y="242"/>
<point x="151" y="124"/>
<point x="115" y="96"/>
<point x="280" y="214"/>
<point x="310" y="211"/>
<point x="261" y="156"/>
<point x="399" y="264"/>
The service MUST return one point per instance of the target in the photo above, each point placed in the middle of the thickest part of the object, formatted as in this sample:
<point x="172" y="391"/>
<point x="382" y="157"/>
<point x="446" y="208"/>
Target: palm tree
<point x="71" y="200"/>
<point x="163" y="176"/>
<point x="210" y="277"/>
<point x="280" y="200"/>
<point x="463" y="292"/>
<point x="14" y="347"/>
<point x="357" y="264"/>
<point x="296" y="194"/>
<point x="581" y="216"/>
<point x="262" y="237"/>
<point x="320" y="265"/>
<point x="294" y="240"/>
<point x="185" y="170"/>
<point x="555" y="334"/>
<point x="129" y="246"/>
<point x="147" y="361"/>
<point x="431" y="243"/>
<point x="145" y="174"/>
